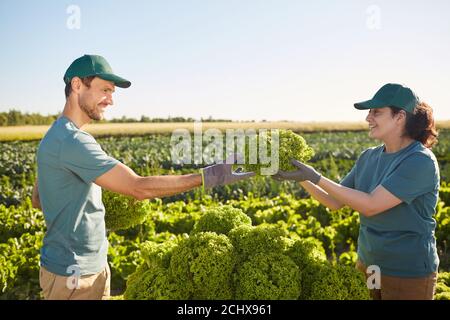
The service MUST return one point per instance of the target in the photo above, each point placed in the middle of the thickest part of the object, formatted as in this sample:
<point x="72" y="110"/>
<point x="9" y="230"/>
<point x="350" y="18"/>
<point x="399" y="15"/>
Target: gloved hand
<point x="303" y="173"/>
<point x="221" y="174"/>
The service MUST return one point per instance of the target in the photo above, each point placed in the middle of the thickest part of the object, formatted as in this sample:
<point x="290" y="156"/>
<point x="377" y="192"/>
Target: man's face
<point x="93" y="100"/>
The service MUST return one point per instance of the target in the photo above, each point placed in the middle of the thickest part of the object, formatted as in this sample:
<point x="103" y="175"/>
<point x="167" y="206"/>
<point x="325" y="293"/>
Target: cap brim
<point x="118" y="81"/>
<point x="369" y="104"/>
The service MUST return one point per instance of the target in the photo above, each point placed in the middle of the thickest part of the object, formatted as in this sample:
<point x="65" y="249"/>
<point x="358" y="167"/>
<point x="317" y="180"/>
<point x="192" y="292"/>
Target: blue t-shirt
<point x="399" y="240"/>
<point x="69" y="160"/>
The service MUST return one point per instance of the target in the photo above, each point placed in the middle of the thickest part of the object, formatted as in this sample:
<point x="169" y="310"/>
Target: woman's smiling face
<point x="382" y="124"/>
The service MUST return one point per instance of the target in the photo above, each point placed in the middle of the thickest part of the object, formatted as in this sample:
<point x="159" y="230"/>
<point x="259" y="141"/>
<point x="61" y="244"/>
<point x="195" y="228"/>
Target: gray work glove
<point x="303" y="173"/>
<point x="221" y="174"/>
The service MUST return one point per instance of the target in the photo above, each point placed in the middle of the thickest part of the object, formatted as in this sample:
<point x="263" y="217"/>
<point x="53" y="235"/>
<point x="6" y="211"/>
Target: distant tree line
<point x="168" y="119"/>
<point x="17" y="118"/>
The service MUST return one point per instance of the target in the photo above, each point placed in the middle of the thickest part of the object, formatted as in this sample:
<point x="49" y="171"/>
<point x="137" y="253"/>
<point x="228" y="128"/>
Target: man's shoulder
<point x="78" y="137"/>
<point x="59" y="130"/>
<point x="63" y="135"/>
<point x="78" y="144"/>
<point x="53" y="138"/>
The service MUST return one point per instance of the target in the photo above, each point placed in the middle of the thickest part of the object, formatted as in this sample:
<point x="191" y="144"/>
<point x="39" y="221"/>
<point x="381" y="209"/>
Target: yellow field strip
<point x="135" y="129"/>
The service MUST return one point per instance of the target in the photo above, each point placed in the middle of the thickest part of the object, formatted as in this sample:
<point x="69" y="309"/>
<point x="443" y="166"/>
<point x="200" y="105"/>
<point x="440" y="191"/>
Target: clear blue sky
<point x="235" y="59"/>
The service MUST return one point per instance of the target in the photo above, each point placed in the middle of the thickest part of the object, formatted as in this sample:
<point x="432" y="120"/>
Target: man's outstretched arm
<point x="122" y="179"/>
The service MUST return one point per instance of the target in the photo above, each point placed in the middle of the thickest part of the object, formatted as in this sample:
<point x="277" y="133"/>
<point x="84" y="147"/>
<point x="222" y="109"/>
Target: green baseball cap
<point x="391" y="95"/>
<point x="93" y="65"/>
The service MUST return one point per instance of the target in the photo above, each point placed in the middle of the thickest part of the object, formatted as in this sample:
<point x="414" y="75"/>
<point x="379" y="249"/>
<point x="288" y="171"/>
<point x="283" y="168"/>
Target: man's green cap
<point x="391" y="95"/>
<point x="93" y="65"/>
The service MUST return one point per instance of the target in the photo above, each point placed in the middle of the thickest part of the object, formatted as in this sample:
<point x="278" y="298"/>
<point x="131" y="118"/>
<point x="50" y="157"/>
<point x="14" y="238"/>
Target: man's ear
<point x="76" y="84"/>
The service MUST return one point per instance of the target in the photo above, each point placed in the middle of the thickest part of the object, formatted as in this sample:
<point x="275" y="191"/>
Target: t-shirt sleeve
<point x="83" y="156"/>
<point x="349" y="180"/>
<point x="414" y="177"/>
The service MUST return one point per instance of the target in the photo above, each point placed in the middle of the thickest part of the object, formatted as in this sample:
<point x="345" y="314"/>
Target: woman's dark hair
<point x="86" y="81"/>
<point x="420" y="124"/>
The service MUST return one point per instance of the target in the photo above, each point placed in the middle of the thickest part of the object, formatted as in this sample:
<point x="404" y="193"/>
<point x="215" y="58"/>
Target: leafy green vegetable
<point x="249" y="240"/>
<point x="123" y="212"/>
<point x="290" y="146"/>
<point x="203" y="265"/>
<point x="272" y="276"/>
<point x="221" y="220"/>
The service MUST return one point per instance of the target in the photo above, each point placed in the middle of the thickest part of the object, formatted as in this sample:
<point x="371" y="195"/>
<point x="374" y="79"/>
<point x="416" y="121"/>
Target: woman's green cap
<point x="391" y="95"/>
<point x="93" y="65"/>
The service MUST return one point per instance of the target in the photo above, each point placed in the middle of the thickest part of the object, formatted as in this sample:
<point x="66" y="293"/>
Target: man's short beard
<point x="90" y="112"/>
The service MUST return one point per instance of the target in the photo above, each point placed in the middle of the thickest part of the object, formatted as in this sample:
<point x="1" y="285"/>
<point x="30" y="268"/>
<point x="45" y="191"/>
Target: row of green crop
<point x="335" y="154"/>
<point x="22" y="229"/>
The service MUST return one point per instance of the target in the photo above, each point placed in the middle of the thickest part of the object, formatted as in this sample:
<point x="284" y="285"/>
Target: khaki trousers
<point x="395" y="288"/>
<point x="90" y="287"/>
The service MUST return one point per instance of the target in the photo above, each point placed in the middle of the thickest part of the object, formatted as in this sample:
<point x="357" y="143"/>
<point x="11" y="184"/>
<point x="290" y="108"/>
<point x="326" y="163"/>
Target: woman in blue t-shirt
<point x="395" y="189"/>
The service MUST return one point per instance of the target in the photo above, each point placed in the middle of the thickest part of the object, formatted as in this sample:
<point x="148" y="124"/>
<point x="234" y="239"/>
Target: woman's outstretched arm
<point x="368" y="204"/>
<point x="321" y="195"/>
<point x="334" y="195"/>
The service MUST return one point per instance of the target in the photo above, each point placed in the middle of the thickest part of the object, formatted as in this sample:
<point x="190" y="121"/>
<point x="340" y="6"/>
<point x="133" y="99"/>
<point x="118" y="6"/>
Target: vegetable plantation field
<point x="164" y="233"/>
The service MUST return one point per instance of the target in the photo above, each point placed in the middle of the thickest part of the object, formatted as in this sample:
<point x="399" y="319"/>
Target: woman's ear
<point x="401" y="116"/>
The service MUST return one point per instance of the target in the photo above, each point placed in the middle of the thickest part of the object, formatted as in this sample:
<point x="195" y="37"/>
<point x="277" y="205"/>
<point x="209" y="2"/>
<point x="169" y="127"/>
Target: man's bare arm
<point x="121" y="179"/>
<point x="35" y="201"/>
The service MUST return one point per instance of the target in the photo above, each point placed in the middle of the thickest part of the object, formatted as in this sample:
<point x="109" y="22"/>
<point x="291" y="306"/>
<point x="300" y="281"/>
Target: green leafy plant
<point x="290" y="146"/>
<point x="221" y="220"/>
<point x="251" y="262"/>
<point x="268" y="276"/>
<point x="123" y="212"/>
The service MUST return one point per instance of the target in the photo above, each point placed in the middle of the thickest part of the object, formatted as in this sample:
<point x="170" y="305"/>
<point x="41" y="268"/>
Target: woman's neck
<point x="397" y="144"/>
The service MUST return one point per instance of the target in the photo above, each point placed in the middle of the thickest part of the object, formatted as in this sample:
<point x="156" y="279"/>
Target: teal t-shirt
<point x="68" y="161"/>
<point x="400" y="240"/>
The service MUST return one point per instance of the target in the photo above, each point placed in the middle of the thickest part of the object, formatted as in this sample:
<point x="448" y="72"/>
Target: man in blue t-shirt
<point x="72" y="169"/>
